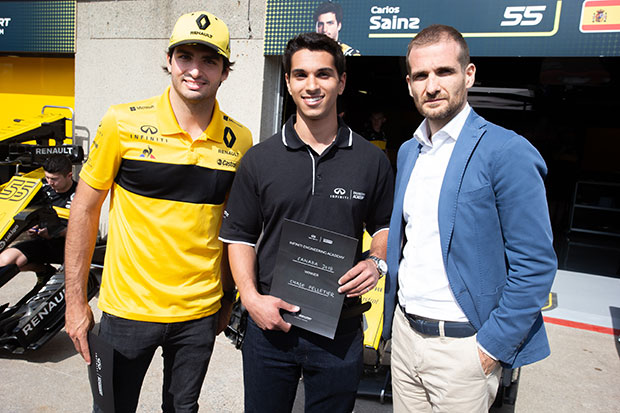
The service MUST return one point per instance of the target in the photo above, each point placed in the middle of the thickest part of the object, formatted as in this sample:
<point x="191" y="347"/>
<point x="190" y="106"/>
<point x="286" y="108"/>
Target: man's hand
<point x="33" y="231"/>
<point x="78" y="322"/>
<point x="265" y="311"/>
<point x="359" y="279"/>
<point x="44" y="233"/>
<point x="488" y="364"/>
<point x="37" y="231"/>
<point x="224" y="316"/>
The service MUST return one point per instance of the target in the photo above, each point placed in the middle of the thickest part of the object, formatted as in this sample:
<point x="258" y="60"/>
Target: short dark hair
<point x="57" y="164"/>
<point x="226" y="66"/>
<point x="315" y="42"/>
<point x="436" y="33"/>
<point x="328" y="7"/>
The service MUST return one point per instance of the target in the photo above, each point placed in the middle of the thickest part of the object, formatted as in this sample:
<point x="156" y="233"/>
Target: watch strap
<point x="379" y="263"/>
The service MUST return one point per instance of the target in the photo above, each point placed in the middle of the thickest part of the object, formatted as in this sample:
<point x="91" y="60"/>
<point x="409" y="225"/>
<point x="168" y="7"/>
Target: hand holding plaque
<point x="310" y="261"/>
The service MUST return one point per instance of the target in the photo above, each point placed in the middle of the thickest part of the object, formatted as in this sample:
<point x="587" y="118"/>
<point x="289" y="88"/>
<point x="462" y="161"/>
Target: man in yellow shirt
<point x="168" y="163"/>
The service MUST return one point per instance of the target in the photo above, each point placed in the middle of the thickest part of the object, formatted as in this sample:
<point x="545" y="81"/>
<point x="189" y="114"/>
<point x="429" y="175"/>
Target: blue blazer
<point x="495" y="237"/>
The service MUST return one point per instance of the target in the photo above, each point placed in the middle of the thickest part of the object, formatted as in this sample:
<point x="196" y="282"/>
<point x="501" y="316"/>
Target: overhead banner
<point x="491" y="27"/>
<point x="37" y="26"/>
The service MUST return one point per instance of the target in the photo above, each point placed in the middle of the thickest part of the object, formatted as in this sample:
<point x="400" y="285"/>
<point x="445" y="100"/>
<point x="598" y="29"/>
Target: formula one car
<point x="24" y="145"/>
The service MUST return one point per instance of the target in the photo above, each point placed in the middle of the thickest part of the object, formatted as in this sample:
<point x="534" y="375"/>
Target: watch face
<point x="382" y="266"/>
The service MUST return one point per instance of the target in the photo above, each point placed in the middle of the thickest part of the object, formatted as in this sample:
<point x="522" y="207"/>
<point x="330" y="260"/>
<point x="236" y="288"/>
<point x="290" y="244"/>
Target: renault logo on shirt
<point x="229" y="137"/>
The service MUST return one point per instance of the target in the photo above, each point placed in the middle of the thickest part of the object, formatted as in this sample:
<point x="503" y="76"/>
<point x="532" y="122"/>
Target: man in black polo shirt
<point x="301" y="174"/>
<point x="47" y="243"/>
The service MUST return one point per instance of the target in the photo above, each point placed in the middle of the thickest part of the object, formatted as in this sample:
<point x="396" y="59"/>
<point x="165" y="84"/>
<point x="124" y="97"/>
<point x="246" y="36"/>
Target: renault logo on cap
<point x="203" y="22"/>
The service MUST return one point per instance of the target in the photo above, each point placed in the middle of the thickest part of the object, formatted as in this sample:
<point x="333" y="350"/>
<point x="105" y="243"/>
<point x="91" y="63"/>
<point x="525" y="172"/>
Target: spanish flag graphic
<point x="600" y="16"/>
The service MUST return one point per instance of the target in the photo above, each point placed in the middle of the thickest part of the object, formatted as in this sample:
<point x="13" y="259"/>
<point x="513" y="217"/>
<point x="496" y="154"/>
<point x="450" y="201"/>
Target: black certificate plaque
<point x="309" y="263"/>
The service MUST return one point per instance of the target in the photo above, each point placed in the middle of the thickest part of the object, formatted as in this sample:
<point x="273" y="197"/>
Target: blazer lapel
<point x="396" y="234"/>
<point x="407" y="167"/>
<point x="451" y="186"/>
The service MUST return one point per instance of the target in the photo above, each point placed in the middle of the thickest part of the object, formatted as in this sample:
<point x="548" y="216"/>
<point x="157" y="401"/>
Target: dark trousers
<point x="186" y="350"/>
<point x="274" y="361"/>
<point x="43" y="251"/>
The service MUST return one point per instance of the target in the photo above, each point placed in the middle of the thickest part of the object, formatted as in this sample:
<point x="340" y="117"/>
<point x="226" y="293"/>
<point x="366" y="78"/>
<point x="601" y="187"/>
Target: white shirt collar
<point x="451" y="129"/>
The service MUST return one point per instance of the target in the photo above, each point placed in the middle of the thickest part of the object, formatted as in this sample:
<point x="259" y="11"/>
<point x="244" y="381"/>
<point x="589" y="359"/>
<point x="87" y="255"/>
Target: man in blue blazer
<point x="470" y="255"/>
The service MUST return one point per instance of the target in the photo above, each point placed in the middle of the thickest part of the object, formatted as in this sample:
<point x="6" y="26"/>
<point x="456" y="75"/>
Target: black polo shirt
<point x="346" y="189"/>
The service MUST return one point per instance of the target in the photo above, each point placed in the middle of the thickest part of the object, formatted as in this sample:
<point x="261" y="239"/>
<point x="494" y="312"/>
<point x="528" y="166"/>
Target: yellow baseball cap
<point x="201" y="27"/>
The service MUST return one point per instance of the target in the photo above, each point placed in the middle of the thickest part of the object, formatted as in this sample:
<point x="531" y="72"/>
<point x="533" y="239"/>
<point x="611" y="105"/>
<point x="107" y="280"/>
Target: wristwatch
<point x="381" y="265"/>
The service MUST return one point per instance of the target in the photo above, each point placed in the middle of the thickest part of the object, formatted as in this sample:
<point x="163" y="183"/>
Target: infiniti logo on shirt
<point x="341" y="193"/>
<point x="148" y="129"/>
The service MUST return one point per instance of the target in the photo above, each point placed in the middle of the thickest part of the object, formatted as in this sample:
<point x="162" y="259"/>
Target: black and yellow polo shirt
<point x="348" y="50"/>
<point x="168" y="193"/>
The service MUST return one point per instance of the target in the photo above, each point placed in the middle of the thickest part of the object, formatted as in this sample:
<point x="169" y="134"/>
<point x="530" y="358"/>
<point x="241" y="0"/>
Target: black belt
<point x="430" y="327"/>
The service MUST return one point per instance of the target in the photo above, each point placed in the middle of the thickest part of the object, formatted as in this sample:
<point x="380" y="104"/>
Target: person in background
<point x="373" y="130"/>
<point x="47" y="243"/>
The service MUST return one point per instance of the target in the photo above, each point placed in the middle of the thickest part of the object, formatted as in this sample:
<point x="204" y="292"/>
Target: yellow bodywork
<point x="373" y="318"/>
<point x="15" y="196"/>
<point x="29" y="83"/>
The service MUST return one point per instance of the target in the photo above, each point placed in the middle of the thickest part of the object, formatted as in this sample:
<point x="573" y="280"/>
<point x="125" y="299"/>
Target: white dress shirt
<point x="424" y="289"/>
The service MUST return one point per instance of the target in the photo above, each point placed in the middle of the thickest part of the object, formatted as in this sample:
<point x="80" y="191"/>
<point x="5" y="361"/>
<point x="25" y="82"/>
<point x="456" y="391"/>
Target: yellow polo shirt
<point x="167" y="196"/>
